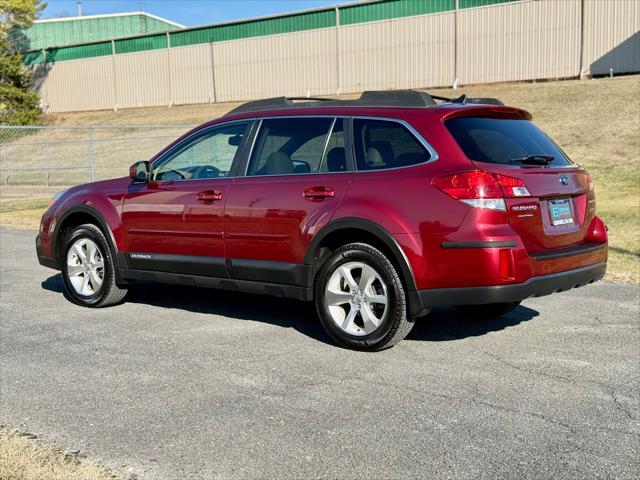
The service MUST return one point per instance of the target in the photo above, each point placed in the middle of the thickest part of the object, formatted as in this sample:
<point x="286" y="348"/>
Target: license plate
<point x="560" y="211"/>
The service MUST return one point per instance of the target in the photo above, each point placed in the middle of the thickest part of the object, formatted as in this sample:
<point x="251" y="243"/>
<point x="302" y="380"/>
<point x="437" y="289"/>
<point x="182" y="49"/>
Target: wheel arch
<point x="79" y="215"/>
<point x="353" y="229"/>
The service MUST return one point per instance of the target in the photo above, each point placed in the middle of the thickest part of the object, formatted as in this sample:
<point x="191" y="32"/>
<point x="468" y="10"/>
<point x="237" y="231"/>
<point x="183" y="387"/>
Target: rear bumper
<point x="534" y="287"/>
<point x="45" y="261"/>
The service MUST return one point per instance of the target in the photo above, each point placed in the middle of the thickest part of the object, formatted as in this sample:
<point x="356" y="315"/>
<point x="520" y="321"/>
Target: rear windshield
<point x="497" y="140"/>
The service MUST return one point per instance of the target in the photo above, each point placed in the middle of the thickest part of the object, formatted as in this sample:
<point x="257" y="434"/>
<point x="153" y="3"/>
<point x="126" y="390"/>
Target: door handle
<point x="319" y="193"/>
<point x="209" y="196"/>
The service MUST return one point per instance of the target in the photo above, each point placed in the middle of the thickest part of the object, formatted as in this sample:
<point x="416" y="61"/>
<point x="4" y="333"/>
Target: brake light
<point x="477" y="189"/>
<point x="468" y="185"/>
<point x="512" y="187"/>
<point x="481" y="189"/>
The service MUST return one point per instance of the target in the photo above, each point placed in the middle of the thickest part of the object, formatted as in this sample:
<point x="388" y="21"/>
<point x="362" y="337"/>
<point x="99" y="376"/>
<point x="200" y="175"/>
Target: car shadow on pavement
<point x="281" y="312"/>
<point x="442" y="324"/>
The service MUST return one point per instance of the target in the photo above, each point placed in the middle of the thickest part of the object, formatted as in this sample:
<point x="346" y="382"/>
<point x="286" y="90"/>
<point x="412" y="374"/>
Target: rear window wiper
<point x="534" y="159"/>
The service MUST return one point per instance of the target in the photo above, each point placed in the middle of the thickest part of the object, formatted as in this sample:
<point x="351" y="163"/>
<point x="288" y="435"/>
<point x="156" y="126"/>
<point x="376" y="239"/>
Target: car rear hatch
<point x="549" y="200"/>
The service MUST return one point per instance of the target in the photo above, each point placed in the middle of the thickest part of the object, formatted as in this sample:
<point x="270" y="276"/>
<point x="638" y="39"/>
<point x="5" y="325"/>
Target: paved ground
<point x="185" y="383"/>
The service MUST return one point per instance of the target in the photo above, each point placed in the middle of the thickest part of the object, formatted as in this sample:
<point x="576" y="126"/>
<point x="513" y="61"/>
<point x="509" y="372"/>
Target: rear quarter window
<point x="496" y="140"/>
<point x="384" y="144"/>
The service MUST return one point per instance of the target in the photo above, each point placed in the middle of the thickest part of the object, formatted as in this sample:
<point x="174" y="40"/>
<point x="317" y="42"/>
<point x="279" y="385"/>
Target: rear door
<point x="297" y="174"/>
<point x="560" y="204"/>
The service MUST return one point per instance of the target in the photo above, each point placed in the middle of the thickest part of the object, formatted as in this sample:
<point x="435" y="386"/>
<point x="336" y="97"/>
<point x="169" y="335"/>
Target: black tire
<point x="488" y="311"/>
<point x="108" y="293"/>
<point x="395" y="323"/>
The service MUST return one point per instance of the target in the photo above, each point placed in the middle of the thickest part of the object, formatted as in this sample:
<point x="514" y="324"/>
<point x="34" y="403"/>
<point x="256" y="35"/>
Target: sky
<point x="185" y="12"/>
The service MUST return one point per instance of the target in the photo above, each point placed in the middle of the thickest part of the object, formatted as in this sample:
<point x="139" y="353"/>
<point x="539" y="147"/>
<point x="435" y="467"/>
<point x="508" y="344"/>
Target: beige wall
<point x="523" y="41"/>
<point x="191" y="74"/>
<point x="142" y="79"/>
<point x="294" y="64"/>
<point x="613" y="36"/>
<point x="531" y="39"/>
<point x="401" y="53"/>
<point x="77" y="85"/>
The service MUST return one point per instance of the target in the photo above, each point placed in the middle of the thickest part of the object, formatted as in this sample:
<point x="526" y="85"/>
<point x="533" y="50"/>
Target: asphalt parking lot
<point x="184" y="383"/>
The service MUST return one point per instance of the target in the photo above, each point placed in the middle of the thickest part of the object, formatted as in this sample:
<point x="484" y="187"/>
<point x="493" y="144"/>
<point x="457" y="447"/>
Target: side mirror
<point x="139" y="172"/>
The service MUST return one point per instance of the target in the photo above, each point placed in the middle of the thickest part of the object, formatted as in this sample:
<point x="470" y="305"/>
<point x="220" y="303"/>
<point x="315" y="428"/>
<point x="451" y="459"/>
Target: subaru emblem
<point x="564" y="180"/>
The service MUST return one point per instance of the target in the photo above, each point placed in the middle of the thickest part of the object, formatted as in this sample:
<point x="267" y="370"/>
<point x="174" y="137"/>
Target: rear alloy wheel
<point x="360" y="299"/>
<point x="357" y="308"/>
<point x="488" y="311"/>
<point x="88" y="270"/>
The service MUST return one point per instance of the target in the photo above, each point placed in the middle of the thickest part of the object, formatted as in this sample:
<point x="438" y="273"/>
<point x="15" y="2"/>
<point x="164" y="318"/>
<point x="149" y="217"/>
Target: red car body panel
<point x="269" y="218"/>
<point x="104" y="198"/>
<point x="167" y="218"/>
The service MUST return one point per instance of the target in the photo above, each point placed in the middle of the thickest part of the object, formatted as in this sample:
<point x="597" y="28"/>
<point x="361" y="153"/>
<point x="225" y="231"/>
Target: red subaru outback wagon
<point x="376" y="209"/>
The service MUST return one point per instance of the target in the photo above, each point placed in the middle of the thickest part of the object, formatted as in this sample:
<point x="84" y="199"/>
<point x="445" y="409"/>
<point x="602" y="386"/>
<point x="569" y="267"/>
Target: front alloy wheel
<point x="85" y="267"/>
<point x="88" y="269"/>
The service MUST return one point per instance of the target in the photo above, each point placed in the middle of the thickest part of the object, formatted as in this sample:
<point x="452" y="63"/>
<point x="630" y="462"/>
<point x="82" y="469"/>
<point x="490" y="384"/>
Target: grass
<point x="22" y="206"/>
<point x="597" y="122"/>
<point x="24" y="457"/>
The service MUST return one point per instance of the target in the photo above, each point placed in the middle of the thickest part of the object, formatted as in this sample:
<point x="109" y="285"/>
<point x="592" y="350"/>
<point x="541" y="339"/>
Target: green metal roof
<point x="369" y="12"/>
<point x="73" y="30"/>
<point x="255" y="28"/>
<point x="285" y="23"/>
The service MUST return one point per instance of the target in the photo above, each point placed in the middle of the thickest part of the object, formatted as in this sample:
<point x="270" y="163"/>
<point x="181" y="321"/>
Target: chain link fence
<point x="51" y="156"/>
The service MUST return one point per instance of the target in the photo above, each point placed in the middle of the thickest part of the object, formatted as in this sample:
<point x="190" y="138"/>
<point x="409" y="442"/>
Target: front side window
<point x="382" y="144"/>
<point x="209" y="155"/>
<point x="286" y="146"/>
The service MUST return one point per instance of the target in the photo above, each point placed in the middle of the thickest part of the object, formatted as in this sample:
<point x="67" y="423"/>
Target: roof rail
<point x="463" y="99"/>
<point x="380" y="98"/>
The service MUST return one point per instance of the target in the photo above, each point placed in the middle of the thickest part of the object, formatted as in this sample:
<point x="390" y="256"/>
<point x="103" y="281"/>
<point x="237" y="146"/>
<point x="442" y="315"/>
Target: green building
<point x="56" y="32"/>
<point x="73" y="47"/>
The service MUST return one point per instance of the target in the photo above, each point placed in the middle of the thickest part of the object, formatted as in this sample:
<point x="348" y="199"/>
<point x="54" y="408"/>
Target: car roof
<point x="397" y="103"/>
<point x="442" y="111"/>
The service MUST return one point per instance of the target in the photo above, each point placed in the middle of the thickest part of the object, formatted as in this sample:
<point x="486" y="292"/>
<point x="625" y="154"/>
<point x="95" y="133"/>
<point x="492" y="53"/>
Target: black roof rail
<point x="392" y="98"/>
<point x="463" y="99"/>
<point x="380" y="98"/>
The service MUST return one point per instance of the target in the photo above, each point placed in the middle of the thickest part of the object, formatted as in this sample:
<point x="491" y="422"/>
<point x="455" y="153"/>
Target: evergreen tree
<point x="18" y="101"/>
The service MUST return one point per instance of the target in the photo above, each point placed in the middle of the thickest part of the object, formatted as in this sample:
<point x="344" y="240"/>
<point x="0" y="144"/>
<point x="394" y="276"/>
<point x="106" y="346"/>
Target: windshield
<point x="504" y="141"/>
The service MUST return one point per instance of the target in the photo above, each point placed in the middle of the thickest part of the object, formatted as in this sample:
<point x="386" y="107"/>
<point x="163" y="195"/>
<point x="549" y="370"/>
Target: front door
<point x="175" y="223"/>
<point x="298" y="173"/>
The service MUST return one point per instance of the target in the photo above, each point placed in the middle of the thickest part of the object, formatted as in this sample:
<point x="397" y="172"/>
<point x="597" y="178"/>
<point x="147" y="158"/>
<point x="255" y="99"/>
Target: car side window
<point x="209" y="155"/>
<point x="286" y="146"/>
<point x="382" y="144"/>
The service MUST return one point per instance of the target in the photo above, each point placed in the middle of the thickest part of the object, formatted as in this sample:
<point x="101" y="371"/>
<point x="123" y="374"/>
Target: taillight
<point x="481" y="189"/>
<point x="468" y="185"/>
<point x="512" y="187"/>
